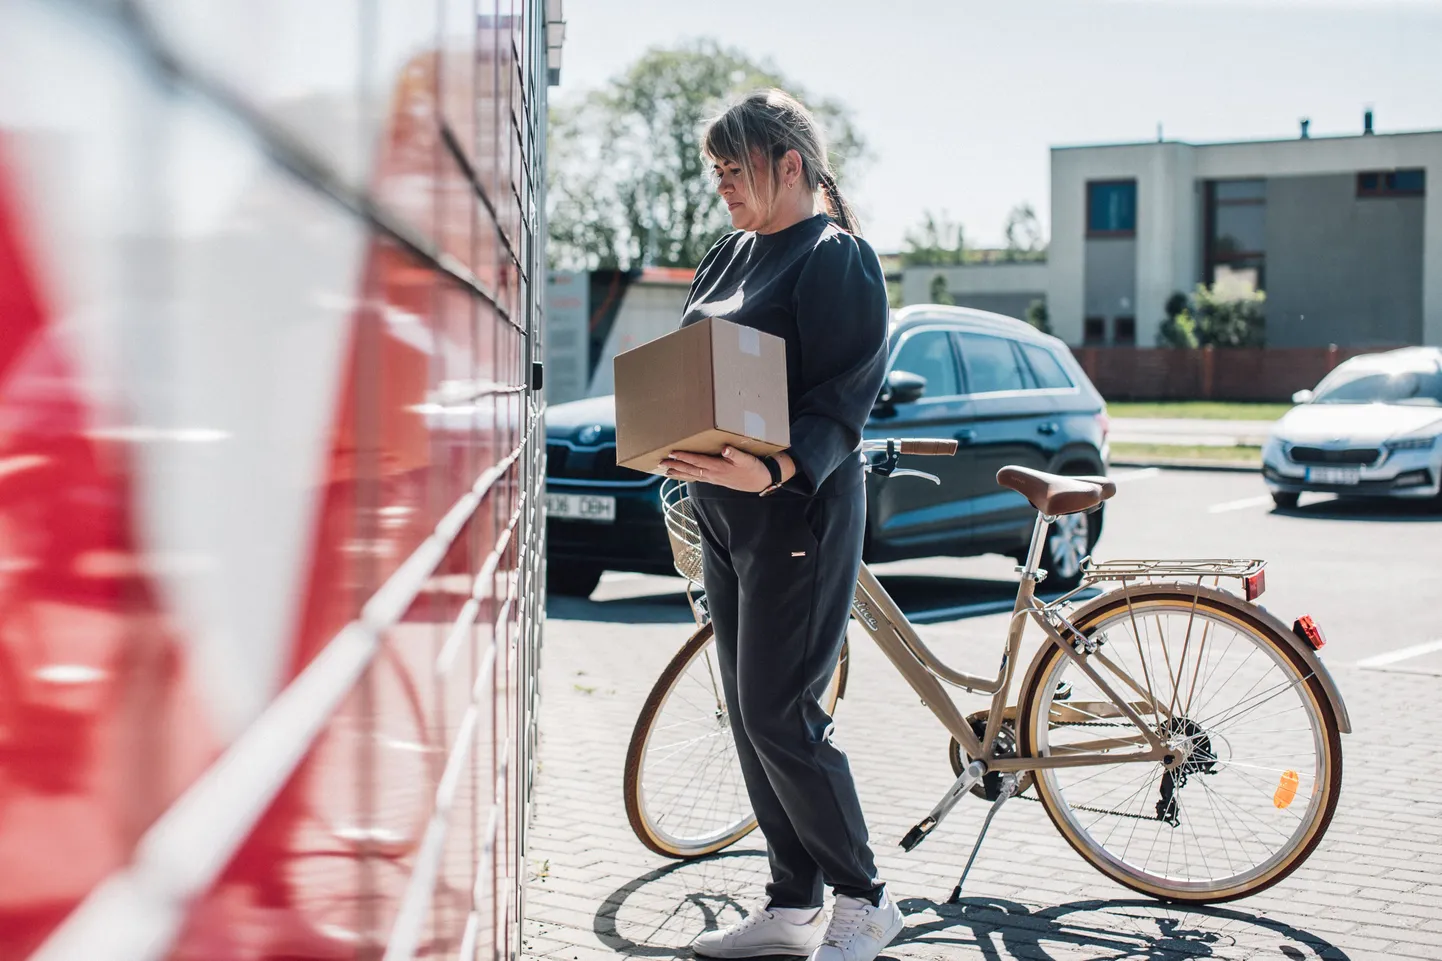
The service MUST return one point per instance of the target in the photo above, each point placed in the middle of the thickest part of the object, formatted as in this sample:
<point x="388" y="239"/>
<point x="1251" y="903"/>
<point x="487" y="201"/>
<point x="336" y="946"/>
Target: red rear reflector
<point x="1255" y="584"/>
<point x="1307" y="630"/>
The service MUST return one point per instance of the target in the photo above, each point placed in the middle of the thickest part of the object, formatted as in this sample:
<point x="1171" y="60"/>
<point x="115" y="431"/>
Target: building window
<point x="1236" y="235"/>
<point x="1124" y="332"/>
<point x="1392" y="183"/>
<point x="1094" y="332"/>
<point x="1112" y="208"/>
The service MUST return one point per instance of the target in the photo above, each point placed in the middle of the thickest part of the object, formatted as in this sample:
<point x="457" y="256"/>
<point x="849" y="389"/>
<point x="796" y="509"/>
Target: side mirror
<point x="901" y="387"/>
<point x="1302" y="397"/>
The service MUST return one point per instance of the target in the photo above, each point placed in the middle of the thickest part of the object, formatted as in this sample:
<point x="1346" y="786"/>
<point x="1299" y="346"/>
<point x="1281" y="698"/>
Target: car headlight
<point x="1411" y="443"/>
<point x="587" y="436"/>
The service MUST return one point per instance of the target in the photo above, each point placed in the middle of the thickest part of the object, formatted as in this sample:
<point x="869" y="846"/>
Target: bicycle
<point x="1211" y="778"/>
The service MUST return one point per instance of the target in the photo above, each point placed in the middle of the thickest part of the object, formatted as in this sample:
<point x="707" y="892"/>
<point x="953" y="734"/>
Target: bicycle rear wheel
<point x="685" y="796"/>
<point x="1260" y="766"/>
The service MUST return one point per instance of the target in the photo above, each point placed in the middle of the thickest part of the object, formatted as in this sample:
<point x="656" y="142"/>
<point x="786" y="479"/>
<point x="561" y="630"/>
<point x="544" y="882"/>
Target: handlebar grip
<point x="937" y="448"/>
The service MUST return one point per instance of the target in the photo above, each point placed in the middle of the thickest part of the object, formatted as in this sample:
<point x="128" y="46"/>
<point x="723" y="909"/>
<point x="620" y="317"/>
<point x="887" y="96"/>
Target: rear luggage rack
<point x="1094" y="572"/>
<point x="1252" y="573"/>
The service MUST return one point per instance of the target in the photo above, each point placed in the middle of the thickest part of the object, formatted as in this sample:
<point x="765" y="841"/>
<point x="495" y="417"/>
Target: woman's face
<point x="747" y="212"/>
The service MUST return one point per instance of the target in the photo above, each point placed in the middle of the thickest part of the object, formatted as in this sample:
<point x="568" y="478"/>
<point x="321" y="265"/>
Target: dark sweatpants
<point x="780" y="574"/>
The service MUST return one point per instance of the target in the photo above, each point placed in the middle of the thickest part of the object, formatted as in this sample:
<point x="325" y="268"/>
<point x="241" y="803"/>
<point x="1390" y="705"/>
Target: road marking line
<point x="1240" y="505"/>
<point x="1141" y="473"/>
<point x="1402" y="654"/>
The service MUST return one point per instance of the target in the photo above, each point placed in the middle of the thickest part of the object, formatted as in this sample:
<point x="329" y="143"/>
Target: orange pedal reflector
<point x="1286" y="789"/>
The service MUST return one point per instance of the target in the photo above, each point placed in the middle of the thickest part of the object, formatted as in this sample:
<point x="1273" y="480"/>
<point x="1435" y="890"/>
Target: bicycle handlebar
<point x="922" y="447"/>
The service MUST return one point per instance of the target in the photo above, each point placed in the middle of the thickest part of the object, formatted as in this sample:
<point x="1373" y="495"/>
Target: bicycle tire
<point x="643" y="823"/>
<point x="1135" y="603"/>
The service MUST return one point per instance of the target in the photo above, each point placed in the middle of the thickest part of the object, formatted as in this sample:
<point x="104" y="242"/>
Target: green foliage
<point x="1178" y="329"/>
<point x="1208" y="320"/>
<point x="627" y="185"/>
<point x="1023" y="234"/>
<point x="1038" y="317"/>
<point x="937" y="242"/>
<point x="1229" y="321"/>
<point x="939" y="293"/>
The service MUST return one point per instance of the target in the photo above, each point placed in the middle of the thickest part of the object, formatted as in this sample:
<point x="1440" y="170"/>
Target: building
<point x="1342" y="233"/>
<point x="1002" y="287"/>
<point x="270" y="476"/>
<point x="591" y="316"/>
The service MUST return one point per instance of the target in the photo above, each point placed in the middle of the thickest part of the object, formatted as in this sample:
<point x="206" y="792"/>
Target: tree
<point x="1178" y="329"/>
<point x="1229" y="321"/>
<point x="1208" y="319"/>
<point x="627" y="185"/>
<point x="939" y="293"/>
<point x="937" y="242"/>
<point x="1038" y="317"/>
<point x="1023" y="234"/>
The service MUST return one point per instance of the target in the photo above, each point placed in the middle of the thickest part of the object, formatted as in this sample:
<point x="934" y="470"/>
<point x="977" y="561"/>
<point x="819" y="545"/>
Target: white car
<point x="1371" y="428"/>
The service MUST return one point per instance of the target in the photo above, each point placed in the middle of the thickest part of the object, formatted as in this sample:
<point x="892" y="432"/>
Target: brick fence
<point x="1229" y="373"/>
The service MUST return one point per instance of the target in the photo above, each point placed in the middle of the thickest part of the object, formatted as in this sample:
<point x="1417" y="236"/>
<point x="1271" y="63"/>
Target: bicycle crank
<point x="990" y="786"/>
<point x="974" y="772"/>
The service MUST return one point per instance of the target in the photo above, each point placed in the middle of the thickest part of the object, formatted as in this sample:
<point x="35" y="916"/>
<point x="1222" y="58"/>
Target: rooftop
<point x="1320" y="138"/>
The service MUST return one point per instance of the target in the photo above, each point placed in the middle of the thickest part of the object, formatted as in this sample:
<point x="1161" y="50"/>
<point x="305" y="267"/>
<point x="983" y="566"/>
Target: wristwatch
<point x="773" y="466"/>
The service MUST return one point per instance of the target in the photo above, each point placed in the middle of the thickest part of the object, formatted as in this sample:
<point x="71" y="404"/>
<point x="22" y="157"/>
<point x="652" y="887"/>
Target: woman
<point x="782" y="536"/>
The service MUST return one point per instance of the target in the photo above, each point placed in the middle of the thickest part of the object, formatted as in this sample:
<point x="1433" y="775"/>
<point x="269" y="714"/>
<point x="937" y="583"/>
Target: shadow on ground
<point x="1385" y="510"/>
<point x="657" y="914"/>
<point x="926" y="597"/>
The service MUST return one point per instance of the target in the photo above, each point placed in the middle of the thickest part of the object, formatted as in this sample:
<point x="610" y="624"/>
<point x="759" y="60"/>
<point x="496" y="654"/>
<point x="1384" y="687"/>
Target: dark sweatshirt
<point x="822" y="291"/>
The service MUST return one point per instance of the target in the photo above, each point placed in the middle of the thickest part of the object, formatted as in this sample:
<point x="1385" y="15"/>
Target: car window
<point x="1420" y="388"/>
<point x="928" y="354"/>
<point x="991" y="364"/>
<point x="1048" y="371"/>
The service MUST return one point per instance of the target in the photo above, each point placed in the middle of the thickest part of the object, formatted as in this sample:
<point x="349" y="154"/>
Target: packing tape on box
<point x="750" y="339"/>
<point x="754" y="424"/>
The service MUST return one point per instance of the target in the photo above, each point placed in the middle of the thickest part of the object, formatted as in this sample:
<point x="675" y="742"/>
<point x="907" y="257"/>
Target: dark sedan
<point x="1007" y="393"/>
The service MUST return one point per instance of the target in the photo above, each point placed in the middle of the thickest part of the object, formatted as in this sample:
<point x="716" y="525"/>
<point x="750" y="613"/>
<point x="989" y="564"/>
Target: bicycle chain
<point x="1088" y="808"/>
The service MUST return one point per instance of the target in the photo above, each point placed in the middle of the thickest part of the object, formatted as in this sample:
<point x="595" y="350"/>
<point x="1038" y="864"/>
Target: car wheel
<point x="577" y="580"/>
<point x="1068" y="542"/>
<point x="1285" y="500"/>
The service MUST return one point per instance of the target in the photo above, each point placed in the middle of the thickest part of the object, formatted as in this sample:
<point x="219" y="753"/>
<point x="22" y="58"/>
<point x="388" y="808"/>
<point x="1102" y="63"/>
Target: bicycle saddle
<point x="1054" y="494"/>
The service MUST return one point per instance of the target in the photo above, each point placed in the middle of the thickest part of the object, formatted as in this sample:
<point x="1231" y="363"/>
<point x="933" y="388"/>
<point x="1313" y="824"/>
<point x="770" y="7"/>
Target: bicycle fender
<point x="1255" y="613"/>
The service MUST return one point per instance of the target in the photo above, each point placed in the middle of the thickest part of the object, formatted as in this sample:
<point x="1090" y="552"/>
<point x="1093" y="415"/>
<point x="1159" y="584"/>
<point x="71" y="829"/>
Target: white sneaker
<point x="859" y="930"/>
<point x="763" y="931"/>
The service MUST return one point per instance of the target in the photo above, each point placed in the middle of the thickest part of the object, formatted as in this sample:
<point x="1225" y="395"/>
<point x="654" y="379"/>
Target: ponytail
<point x="836" y="206"/>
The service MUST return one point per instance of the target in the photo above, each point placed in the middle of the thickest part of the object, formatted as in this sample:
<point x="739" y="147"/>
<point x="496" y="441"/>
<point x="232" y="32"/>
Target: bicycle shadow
<point x="1112" y="929"/>
<point x="656" y="915"/>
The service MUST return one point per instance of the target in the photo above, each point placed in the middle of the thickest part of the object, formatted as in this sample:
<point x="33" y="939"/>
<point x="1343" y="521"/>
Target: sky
<point x="961" y="101"/>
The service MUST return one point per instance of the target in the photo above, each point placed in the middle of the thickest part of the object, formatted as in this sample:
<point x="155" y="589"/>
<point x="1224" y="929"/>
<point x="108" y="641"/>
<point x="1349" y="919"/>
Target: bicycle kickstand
<point x="1007" y="792"/>
<point x="974" y="772"/>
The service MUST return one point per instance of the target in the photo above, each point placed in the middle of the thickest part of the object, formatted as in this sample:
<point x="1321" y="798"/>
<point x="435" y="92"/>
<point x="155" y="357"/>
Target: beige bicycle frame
<point x="924" y="671"/>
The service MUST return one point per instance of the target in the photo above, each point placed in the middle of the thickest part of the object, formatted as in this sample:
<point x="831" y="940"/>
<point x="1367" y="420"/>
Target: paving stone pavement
<point x="1373" y="889"/>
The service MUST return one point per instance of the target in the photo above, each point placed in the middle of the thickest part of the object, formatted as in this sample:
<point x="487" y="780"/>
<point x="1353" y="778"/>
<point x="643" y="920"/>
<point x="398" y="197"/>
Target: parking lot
<point x="1368" y="572"/>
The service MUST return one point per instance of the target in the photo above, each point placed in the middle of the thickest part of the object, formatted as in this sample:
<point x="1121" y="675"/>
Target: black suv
<point x="1007" y="393"/>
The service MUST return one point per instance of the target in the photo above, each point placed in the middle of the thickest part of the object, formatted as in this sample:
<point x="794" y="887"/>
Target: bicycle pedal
<point x="917" y="834"/>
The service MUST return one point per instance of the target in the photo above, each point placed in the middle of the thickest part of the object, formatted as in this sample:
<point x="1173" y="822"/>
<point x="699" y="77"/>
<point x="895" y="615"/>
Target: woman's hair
<point x="772" y="122"/>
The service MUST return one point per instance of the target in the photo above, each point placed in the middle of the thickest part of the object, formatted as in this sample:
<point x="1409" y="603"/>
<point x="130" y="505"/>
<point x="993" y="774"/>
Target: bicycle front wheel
<point x="1258" y="765"/>
<point x="685" y="796"/>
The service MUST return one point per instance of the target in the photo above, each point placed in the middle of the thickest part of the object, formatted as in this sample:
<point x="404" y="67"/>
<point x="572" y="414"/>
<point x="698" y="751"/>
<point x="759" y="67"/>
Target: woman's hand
<point x="735" y="469"/>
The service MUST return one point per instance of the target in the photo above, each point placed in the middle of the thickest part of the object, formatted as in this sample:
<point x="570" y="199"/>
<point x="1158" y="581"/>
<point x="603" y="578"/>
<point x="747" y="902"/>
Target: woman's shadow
<point x="656" y="915"/>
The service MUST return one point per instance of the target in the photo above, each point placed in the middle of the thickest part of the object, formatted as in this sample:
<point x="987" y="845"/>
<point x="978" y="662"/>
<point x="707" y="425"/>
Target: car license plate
<point x="582" y="507"/>
<point x="1340" y="476"/>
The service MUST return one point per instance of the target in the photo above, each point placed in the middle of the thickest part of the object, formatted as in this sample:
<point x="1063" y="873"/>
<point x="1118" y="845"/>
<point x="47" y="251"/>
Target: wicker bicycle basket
<point x="681" y="530"/>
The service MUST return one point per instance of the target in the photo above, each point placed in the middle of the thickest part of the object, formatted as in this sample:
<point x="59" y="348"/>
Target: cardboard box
<point x="699" y="389"/>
